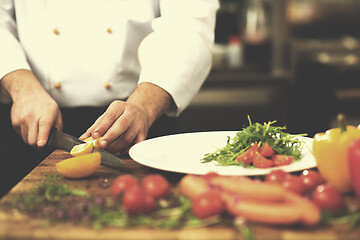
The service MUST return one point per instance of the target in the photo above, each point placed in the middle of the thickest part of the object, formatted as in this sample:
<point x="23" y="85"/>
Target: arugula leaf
<point x="281" y="142"/>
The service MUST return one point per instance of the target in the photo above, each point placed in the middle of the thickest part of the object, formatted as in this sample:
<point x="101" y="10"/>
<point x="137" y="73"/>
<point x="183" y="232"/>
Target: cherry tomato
<point x="137" y="201"/>
<point x="247" y="156"/>
<point x="282" y="160"/>
<point x="276" y="176"/>
<point x="294" y="183"/>
<point x="327" y="198"/>
<point x="261" y="162"/>
<point x="207" y="204"/>
<point x="121" y="183"/>
<point x="311" y="179"/>
<point x="156" y="185"/>
<point x="266" y="150"/>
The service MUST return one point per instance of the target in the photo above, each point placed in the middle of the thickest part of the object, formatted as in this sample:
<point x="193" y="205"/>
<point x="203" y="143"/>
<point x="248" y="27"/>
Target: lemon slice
<point x="95" y="143"/>
<point x="82" y="149"/>
<point x="89" y="139"/>
<point x="80" y="166"/>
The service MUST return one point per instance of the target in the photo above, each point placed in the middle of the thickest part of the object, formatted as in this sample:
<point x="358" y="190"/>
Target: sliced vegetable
<point x="266" y="150"/>
<point x="282" y="160"/>
<point x="247" y="156"/>
<point x="261" y="162"/>
<point x="80" y="166"/>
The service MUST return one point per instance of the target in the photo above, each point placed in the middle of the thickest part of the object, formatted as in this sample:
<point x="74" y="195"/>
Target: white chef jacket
<point x="91" y="52"/>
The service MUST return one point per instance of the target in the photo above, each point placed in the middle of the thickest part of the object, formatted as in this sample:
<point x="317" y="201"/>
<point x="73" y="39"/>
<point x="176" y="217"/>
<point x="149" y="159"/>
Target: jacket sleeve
<point x="176" y="56"/>
<point x="12" y="56"/>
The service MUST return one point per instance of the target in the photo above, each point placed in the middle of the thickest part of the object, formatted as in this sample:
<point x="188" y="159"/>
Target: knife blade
<point x="61" y="140"/>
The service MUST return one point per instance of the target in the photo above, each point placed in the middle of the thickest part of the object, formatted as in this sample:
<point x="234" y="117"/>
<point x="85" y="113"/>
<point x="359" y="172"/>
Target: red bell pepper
<point x="354" y="165"/>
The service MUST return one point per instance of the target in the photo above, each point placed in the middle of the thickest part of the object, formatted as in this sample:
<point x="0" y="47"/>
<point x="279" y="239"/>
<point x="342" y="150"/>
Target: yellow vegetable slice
<point x="79" y="167"/>
<point x="82" y="149"/>
<point x="95" y="142"/>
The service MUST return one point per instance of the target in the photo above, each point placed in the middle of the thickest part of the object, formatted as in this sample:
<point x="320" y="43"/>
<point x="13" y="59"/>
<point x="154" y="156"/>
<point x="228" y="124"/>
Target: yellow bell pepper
<point x="330" y="150"/>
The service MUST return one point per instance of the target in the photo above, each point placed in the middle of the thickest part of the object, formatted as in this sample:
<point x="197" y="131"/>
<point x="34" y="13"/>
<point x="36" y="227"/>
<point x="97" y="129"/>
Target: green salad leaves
<point x="281" y="142"/>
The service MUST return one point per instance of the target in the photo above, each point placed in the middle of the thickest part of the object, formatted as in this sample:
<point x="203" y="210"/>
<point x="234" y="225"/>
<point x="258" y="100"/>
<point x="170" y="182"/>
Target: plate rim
<point x="229" y="132"/>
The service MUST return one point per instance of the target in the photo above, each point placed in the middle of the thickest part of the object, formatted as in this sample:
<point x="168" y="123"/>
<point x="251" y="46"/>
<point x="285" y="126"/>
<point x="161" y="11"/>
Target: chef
<point x="126" y="62"/>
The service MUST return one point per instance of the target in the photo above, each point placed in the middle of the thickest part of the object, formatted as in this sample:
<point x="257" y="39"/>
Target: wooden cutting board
<point x="14" y="225"/>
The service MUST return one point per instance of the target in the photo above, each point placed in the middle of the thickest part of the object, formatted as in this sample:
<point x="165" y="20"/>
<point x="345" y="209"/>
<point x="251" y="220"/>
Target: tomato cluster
<point x="263" y="157"/>
<point x="309" y="183"/>
<point x="140" y="197"/>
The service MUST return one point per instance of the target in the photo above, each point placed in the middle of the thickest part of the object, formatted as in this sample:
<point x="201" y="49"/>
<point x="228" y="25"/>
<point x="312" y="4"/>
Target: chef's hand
<point x="33" y="111"/>
<point x="127" y="123"/>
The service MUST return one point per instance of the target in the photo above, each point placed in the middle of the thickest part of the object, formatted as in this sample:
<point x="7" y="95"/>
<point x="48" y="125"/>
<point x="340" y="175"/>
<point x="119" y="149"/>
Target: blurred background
<point x="293" y="61"/>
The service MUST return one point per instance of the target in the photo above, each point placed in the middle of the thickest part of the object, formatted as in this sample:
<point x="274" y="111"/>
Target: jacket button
<point x="56" y="31"/>
<point x="107" y="85"/>
<point x="57" y="85"/>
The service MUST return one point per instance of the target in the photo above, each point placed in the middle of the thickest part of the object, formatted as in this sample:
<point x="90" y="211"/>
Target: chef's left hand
<point x="121" y="125"/>
<point x="127" y="123"/>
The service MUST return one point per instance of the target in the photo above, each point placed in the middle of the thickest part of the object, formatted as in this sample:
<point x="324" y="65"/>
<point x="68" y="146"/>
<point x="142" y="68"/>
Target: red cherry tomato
<point x="122" y="183"/>
<point x="207" y="204"/>
<point x="311" y="179"/>
<point x="137" y="201"/>
<point x="327" y="198"/>
<point x="276" y="176"/>
<point x="282" y="160"/>
<point x="294" y="183"/>
<point x="247" y="156"/>
<point x="149" y="203"/>
<point x="266" y="150"/>
<point x="261" y="162"/>
<point x="156" y="185"/>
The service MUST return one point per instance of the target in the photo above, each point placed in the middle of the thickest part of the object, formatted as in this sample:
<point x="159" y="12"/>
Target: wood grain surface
<point x="14" y="225"/>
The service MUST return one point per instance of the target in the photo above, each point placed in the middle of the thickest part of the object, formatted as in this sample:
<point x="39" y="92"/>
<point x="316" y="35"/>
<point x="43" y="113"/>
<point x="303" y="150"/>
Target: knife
<point x="66" y="142"/>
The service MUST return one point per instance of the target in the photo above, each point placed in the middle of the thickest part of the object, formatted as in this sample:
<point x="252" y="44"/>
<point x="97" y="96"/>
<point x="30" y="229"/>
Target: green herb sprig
<point x="56" y="202"/>
<point x="281" y="142"/>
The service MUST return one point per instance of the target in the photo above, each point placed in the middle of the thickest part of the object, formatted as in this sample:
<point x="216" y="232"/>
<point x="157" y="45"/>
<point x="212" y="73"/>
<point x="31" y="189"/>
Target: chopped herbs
<point x="58" y="203"/>
<point x="282" y="143"/>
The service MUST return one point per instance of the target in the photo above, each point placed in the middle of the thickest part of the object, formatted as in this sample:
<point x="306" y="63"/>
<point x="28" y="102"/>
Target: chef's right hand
<point x="33" y="112"/>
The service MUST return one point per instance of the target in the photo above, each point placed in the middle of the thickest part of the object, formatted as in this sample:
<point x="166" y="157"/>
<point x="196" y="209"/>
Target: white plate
<point x="182" y="153"/>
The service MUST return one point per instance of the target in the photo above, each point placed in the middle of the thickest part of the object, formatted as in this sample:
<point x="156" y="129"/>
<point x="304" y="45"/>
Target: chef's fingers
<point x="115" y="110"/>
<point x="45" y="125"/>
<point x="121" y="125"/>
<point x="24" y="132"/>
<point x="89" y="131"/>
<point x="19" y="125"/>
<point x="59" y="123"/>
<point x="33" y="133"/>
<point x="141" y="136"/>
<point x="126" y="138"/>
